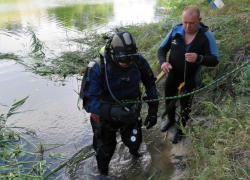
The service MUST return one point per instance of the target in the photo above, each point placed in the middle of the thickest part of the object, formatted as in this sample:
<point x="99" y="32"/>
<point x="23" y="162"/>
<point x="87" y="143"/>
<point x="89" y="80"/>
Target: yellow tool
<point x="162" y="73"/>
<point x="173" y="101"/>
<point x="180" y="87"/>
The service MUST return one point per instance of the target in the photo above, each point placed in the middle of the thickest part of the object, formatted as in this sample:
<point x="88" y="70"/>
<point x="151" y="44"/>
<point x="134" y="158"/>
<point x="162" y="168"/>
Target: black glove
<point x="151" y="117"/>
<point x="118" y="113"/>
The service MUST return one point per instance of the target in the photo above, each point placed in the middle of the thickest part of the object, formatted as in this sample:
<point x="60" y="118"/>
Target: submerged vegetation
<point x="19" y="157"/>
<point x="219" y="128"/>
<point x="8" y="56"/>
<point x="19" y="162"/>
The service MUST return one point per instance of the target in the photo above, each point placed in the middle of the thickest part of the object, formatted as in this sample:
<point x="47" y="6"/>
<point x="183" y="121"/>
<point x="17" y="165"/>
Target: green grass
<point x="220" y="141"/>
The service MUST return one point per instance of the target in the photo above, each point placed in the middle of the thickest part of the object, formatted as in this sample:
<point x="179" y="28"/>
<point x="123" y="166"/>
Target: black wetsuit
<point x="204" y="45"/>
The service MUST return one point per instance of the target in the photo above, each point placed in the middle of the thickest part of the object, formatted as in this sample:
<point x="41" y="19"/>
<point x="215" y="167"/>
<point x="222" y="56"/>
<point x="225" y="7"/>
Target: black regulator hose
<point x="109" y="39"/>
<point x="134" y="133"/>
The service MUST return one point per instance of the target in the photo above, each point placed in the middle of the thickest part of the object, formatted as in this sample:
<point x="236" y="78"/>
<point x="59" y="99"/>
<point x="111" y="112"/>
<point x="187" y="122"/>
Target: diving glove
<point x="151" y="118"/>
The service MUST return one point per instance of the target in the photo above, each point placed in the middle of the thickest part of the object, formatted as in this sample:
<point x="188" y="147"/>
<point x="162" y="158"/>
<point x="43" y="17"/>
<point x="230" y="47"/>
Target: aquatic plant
<point x="8" y="56"/>
<point x="37" y="46"/>
<point x="17" y="161"/>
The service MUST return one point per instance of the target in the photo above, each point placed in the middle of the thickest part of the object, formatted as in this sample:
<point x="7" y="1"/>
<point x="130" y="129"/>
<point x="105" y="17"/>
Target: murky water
<point x="51" y="108"/>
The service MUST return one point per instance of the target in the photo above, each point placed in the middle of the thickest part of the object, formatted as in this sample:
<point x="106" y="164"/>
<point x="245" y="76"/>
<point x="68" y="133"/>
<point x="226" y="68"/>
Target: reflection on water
<point x="82" y="17"/>
<point x="57" y="22"/>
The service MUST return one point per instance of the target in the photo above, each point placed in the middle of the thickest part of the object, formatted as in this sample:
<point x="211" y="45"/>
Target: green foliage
<point x="69" y="63"/>
<point x="220" y="142"/>
<point x="15" y="106"/>
<point x="16" y="161"/>
<point x="37" y="47"/>
<point x="8" y="56"/>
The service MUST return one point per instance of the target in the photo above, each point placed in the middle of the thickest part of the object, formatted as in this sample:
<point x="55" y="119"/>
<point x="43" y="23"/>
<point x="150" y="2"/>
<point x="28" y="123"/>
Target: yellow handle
<point x="179" y="88"/>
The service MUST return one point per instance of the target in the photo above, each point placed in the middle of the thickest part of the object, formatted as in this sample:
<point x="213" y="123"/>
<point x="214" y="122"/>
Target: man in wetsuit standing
<point x="192" y="46"/>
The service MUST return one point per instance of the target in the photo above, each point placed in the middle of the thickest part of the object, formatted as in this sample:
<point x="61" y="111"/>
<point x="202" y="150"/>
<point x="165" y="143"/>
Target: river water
<point x="56" y="22"/>
<point x="51" y="109"/>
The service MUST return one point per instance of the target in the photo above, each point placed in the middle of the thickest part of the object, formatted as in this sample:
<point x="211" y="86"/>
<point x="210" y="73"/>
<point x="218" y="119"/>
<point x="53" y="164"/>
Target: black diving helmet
<point x="124" y="48"/>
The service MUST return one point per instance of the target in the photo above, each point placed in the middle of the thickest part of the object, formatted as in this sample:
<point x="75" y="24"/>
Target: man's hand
<point x="191" y="57"/>
<point x="165" y="67"/>
<point x="151" y="118"/>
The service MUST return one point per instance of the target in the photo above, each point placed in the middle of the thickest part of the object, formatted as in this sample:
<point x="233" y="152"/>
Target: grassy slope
<point x="220" y="125"/>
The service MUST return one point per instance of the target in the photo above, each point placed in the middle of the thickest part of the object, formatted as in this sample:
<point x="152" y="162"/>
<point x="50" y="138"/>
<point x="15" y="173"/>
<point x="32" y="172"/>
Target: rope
<point x="193" y="92"/>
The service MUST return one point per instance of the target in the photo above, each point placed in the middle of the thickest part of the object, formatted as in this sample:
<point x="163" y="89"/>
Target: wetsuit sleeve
<point x="148" y="80"/>
<point x="211" y="58"/>
<point x="164" y="48"/>
<point x="94" y="92"/>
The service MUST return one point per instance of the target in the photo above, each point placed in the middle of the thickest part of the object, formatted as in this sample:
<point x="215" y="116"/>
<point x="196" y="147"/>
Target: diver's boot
<point x="135" y="153"/>
<point x="167" y="125"/>
<point x="177" y="136"/>
<point x="102" y="168"/>
<point x="103" y="176"/>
